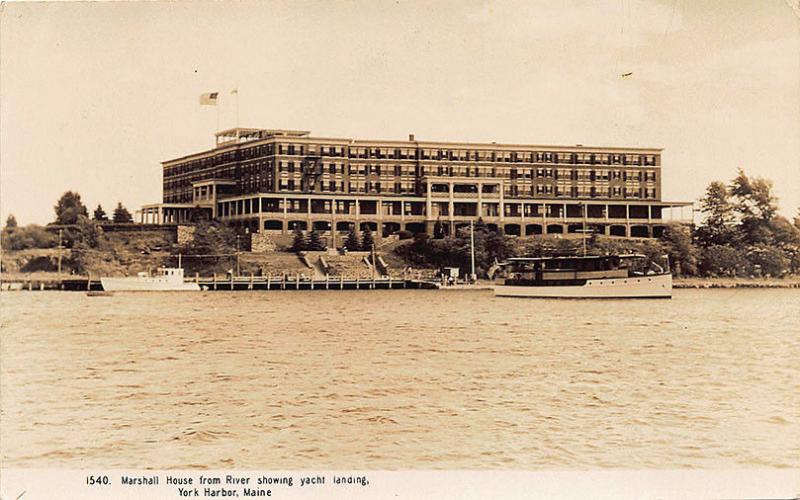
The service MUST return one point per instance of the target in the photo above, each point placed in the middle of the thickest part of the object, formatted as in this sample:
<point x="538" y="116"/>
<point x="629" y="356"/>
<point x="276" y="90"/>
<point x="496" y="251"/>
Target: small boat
<point x="596" y="277"/>
<point x="167" y="279"/>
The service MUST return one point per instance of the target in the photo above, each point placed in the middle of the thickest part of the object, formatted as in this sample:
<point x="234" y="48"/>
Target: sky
<point x="93" y="96"/>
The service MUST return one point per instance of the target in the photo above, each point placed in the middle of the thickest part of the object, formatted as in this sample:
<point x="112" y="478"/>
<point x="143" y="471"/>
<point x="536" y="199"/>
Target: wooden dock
<point x="239" y="283"/>
<point x="229" y="282"/>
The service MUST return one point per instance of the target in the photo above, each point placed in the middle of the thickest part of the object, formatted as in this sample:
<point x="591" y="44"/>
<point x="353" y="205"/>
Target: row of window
<point x="574" y="158"/>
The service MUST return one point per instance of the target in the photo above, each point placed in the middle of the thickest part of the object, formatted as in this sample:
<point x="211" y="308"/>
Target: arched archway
<point x="273" y="225"/>
<point x="531" y="229"/>
<point x="512" y="229"/>
<point x="389" y="228"/>
<point x="555" y="229"/>
<point x="640" y="232"/>
<point x="415" y="227"/>
<point x="373" y="226"/>
<point x="298" y="224"/>
<point x="617" y="230"/>
<point x="344" y="226"/>
<point x="322" y="225"/>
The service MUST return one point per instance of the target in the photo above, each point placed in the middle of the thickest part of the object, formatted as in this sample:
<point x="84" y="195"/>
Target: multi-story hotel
<point x="278" y="180"/>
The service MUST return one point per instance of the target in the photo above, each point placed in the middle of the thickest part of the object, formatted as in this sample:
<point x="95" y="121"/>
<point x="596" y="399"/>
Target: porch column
<point x="451" y="205"/>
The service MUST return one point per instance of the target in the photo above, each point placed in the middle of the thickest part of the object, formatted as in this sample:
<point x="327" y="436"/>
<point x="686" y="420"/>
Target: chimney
<point x="410" y="137"/>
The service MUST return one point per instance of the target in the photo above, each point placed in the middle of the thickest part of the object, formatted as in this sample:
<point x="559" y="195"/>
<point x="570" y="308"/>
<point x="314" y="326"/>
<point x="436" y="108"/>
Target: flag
<point x="209" y="99"/>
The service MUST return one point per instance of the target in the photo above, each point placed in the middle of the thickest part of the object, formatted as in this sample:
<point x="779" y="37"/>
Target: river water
<point x="399" y="380"/>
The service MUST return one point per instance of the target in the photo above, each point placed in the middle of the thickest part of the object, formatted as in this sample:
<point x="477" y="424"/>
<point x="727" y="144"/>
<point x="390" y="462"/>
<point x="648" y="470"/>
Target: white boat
<point x="589" y="277"/>
<point x="166" y="279"/>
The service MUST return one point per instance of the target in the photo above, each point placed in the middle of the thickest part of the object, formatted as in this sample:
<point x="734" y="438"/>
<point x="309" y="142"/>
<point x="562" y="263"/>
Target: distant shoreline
<point x="695" y="282"/>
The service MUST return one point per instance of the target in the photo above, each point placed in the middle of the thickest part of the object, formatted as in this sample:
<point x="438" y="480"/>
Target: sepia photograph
<point x="400" y="249"/>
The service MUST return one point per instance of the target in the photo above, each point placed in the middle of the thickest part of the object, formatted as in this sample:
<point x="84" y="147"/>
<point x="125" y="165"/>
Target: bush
<point x="315" y="241"/>
<point x="299" y="241"/>
<point x="719" y="260"/>
<point x="769" y="261"/>
<point x="30" y="236"/>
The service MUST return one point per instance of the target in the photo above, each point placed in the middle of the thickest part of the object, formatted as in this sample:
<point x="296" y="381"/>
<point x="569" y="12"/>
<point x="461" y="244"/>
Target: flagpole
<point x="237" y="106"/>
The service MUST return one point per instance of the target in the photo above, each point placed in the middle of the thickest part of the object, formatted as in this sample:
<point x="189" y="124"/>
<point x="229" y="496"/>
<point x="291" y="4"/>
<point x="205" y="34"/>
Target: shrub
<point x="719" y="260"/>
<point x="30" y="236"/>
<point x="769" y="261"/>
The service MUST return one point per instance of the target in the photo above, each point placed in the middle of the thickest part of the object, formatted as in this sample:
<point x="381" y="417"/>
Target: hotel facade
<point x="273" y="181"/>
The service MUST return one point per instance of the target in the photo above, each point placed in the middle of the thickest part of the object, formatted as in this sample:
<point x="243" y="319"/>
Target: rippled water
<point x="399" y="380"/>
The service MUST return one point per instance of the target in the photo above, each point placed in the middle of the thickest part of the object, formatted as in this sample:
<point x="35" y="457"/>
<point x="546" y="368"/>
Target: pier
<point x="230" y="282"/>
<point x="238" y="283"/>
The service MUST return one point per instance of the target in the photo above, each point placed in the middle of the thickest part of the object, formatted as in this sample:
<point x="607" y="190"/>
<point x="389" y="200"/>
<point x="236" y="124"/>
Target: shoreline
<point x="699" y="283"/>
<point x="52" y="280"/>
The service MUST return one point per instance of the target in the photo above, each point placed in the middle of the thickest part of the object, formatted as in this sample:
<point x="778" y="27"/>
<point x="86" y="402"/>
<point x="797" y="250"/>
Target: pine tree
<point x="121" y="214"/>
<point x="315" y="241"/>
<point x="11" y="222"/>
<point x="367" y="240"/>
<point x="299" y="244"/>
<point x="69" y="207"/>
<point x="352" y="243"/>
<point x="100" y="214"/>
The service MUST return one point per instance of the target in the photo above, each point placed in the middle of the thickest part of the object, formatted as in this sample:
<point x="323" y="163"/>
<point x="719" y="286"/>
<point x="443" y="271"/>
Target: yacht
<point x="596" y="277"/>
<point x="166" y="279"/>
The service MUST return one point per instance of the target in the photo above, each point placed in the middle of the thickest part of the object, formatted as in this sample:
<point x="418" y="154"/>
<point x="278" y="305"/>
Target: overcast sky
<point x="94" y="96"/>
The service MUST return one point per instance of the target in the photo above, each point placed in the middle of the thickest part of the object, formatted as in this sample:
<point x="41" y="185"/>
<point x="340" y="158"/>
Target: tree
<point x="198" y="214"/>
<point x="438" y="230"/>
<point x="782" y="233"/>
<point x="723" y="260"/>
<point x="209" y="242"/>
<point x="315" y="241"/>
<point x="682" y="254"/>
<point x="69" y="207"/>
<point x="23" y="238"/>
<point x="367" y="240"/>
<point x="756" y="206"/>
<point x="121" y="214"/>
<point x="299" y="244"/>
<point x="719" y="225"/>
<point x="769" y="261"/>
<point x="11" y="222"/>
<point x="100" y="214"/>
<point x="352" y="242"/>
<point x="754" y="196"/>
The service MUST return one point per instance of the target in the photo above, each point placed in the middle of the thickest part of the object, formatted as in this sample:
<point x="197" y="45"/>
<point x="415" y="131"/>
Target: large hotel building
<point x="277" y="180"/>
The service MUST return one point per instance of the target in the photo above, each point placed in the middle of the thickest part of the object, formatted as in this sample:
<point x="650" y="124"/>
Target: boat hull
<point x="146" y="285"/>
<point x="649" y="287"/>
